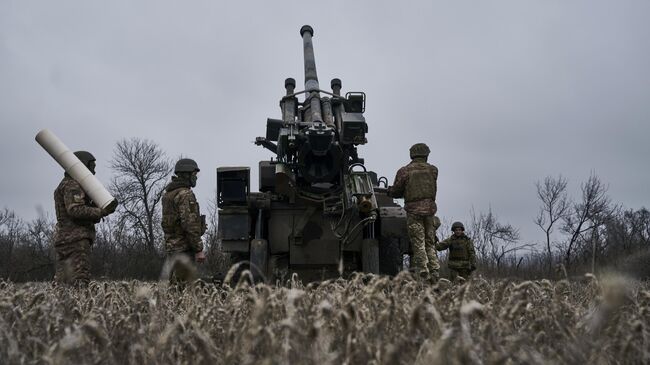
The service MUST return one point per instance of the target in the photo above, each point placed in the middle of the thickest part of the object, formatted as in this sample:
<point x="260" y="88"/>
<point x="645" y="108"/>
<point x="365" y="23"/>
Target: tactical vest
<point x="458" y="250"/>
<point x="421" y="182"/>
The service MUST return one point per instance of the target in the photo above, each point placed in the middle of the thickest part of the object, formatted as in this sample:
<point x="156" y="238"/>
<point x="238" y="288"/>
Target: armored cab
<point x="318" y="212"/>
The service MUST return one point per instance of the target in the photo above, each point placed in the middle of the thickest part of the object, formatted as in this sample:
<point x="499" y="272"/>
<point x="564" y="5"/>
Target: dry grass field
<point x="364" y="320"/>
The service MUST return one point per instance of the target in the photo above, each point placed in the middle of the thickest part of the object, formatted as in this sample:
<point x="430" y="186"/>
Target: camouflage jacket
<point x="461" y="251"/>
<point x="76" y="215"/>
<point x="417" y="184"/>
<point x="181" y="218"/>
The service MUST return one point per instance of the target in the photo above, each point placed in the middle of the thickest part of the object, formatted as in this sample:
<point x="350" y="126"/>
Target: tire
<point x="390" y="256"/>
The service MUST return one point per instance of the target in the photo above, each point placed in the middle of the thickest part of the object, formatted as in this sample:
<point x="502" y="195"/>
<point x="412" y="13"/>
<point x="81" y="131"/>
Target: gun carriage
<point x="318" y="211"/>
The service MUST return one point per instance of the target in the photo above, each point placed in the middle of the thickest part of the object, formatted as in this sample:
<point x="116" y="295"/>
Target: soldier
<point x="462" y="257"/>
<point x="76" y="216"/>
<point x="182" y="222"/>
<point x="416" y="183"/>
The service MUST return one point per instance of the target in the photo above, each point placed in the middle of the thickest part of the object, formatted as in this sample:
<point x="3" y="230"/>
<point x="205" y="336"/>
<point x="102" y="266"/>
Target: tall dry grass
<point x="364" y="320"/>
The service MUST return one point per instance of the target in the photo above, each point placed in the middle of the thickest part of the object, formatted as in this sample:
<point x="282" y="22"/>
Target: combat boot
<point x="434" y="277"/>
<point x="422" y="276"/>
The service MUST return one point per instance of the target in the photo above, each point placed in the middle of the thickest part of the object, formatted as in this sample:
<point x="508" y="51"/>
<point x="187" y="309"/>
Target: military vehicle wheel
<point x="390" y="256"/>
<point x="370" y="255"/>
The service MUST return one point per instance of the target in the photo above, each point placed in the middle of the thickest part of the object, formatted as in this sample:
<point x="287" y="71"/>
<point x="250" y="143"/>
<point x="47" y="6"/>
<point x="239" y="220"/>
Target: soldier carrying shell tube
<point x="76" y="216"/>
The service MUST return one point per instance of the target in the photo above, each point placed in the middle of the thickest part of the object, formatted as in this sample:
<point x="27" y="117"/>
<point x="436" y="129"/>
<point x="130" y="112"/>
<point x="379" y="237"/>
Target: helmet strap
<point x="187" y="177"/>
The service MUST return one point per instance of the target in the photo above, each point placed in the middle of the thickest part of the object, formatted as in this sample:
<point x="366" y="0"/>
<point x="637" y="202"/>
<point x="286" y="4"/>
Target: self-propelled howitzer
<point x="319" y="212"/>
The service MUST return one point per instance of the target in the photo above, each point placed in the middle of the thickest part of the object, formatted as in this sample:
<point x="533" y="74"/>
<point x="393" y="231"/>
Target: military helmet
<point x="457" y="225"/>
<point x="85" y="157"/>
<point x="186" y="165"/>
<point x="419" y="150"/>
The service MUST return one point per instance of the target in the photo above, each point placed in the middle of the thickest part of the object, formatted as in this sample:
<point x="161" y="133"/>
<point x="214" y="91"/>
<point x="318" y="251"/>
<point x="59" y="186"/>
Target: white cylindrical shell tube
<point x="75" y="168"/>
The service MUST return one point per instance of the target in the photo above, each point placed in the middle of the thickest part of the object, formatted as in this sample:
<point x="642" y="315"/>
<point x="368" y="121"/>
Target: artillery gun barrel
<point x="311" y="78"/>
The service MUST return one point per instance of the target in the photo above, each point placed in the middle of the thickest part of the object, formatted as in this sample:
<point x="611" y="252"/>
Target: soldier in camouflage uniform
<point x="417" y="184"/>
<point x="182" y="222"/>
<point x="462" y="257"/>
<point x="76" y="216"/>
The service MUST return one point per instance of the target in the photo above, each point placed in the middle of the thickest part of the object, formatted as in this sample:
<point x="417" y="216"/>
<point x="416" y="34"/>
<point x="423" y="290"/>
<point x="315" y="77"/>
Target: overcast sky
<point x="504" y="92"/>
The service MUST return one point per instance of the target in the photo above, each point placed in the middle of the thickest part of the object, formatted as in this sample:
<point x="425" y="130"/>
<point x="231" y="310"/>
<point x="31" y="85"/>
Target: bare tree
<point x="555" y="206"/>
<point x="493" y="240"/>
<point x="25" y="247"/>
<point x="217" y="262"/>
<point x="5" y="216"/>
<point x="11" y="233"/>
<point x="38" y="241"/>
<point x="141" y="169"/>
<point x="636" y="229"/>
<point x="475" y="231"/>
<point x="212" y="233"/>
<point x="592" y="212"/>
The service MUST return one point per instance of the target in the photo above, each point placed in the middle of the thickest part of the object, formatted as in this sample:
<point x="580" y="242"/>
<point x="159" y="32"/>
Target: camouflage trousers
<point x="180" y="267"/>
<point x="422" y="234"/>
<point x="73" y="262"/>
